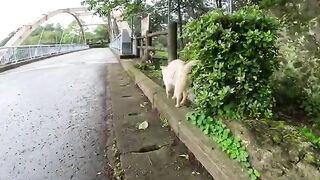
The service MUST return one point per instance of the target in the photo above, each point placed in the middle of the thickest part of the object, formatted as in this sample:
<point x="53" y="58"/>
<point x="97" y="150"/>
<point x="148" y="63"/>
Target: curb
<point x="216" y="162"/>
<point x="24" y="62"/>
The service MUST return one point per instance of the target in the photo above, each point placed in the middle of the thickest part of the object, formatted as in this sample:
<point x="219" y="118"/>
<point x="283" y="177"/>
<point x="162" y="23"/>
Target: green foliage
<point x="152" y="70"/>
<point x="101" y="32"/>
<point x="156" y="74"/>
<point x="218" y="131"/>
<point x="164" y="122"/>
<point x="158" y="10"/>
<point x="105" y="7"/>
<point x="144" y="66"/>
<point x="236" y="56"/>
<point x="296" y="83"/>
<point x="314" y="139"/>
<point x="161" y="55"/>
<point x="52" y="34"/>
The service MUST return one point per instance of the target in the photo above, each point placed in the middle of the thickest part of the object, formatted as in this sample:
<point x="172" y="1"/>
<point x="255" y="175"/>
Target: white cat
<point x="175" y="77"/>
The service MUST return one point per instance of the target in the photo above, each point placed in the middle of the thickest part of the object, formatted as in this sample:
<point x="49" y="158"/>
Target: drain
<point x="126" y="96"/>
<point x="133" y="114"/>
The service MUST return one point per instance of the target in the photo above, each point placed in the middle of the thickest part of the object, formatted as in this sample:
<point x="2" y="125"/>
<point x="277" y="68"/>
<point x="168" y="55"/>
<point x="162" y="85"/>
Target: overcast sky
<point x="16" y="13"/>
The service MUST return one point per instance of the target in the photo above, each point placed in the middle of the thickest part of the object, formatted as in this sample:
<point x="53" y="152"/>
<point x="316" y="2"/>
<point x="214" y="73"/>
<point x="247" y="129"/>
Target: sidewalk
<point x="154" y="153"/>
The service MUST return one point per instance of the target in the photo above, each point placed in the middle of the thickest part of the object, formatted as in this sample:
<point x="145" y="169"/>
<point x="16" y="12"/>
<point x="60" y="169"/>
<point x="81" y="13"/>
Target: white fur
<point x="175" y="77"/>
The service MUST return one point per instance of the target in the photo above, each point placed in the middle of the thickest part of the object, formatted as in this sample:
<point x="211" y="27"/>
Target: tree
<point x="182" y="11"/>
<point x="5" y="40"/>
<point x="218" y="4"/>
<point x="49" y="27"/>
<point x="105" y="7"/>
<point x="158" y="10"/>
<point x="101" y="32"/>
<point x="58" y="27"/>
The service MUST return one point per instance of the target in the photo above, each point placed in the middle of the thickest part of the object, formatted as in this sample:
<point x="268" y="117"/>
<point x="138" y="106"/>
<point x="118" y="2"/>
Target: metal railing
<point x="116" y="43"/>
<point x="15" y="54"/>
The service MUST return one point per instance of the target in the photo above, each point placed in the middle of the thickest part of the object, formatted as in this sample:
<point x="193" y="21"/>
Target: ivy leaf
<point x="253" y="177"/>
<point x="207" y="129"/>
<point x="256" y="173"/>
<point x="233" y="155"/>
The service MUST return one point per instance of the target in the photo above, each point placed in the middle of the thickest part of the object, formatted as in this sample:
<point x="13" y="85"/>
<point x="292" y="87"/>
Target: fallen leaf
<point x="143" y="104"/>
<point x="185" y="156"/>
<point x="144" y="125"/>
<point x="195" y="173"/>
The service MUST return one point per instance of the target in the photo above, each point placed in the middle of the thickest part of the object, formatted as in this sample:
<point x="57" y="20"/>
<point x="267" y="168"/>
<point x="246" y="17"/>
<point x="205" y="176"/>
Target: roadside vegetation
<point x="258" y="66"/>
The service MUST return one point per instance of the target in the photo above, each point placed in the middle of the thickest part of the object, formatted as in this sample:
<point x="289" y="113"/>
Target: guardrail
<point x="15" y="54"/>
<point x="116" y="43"/>
<point x="122" y="42"/>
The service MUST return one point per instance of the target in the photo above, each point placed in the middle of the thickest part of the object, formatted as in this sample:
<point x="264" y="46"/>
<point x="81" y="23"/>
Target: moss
<point x="312" y="158"/>
<point x="270" y="133"/>
<point x="276" y="139"/>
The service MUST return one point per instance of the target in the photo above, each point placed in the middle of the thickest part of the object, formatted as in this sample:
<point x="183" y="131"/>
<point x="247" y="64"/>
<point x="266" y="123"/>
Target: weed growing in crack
<point x="117" y="172"/>
<point x="164" y="121"/>
<point x="218" y="131"/>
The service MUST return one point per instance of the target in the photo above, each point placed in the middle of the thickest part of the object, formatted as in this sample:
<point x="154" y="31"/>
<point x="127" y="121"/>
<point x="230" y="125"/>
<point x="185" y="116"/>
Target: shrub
<point x="297" y="80"/>
<point x="236" y="54"/>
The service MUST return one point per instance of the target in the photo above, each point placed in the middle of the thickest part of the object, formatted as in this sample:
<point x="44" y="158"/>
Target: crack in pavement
<point x="147" y="149"/>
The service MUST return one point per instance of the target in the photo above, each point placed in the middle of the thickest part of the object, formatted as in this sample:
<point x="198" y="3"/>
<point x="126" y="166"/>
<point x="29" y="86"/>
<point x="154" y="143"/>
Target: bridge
<point x="54" y="112"/>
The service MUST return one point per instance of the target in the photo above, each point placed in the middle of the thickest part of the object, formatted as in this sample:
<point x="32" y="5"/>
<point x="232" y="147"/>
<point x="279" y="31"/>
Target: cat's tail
<point x="188" y="66"/>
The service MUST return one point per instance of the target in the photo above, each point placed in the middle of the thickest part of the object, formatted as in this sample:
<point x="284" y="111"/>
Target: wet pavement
<point x="53" y="118"/>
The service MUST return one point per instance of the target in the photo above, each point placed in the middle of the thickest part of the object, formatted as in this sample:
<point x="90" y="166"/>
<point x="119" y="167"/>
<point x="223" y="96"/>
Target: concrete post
<point x="172" y="40"/>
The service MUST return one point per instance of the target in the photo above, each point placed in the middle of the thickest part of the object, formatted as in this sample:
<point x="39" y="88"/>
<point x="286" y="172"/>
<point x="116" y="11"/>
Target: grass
<point x="161" y="55"/>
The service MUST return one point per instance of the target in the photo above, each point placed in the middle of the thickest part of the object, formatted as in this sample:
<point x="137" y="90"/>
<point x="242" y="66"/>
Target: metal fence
<point x="116" y="43"/>
<point x="15" y="54"/>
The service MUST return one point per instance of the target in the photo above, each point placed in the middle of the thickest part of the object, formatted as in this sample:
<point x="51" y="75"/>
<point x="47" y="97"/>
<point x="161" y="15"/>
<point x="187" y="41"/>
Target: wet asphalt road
<point x="53" y="118"/>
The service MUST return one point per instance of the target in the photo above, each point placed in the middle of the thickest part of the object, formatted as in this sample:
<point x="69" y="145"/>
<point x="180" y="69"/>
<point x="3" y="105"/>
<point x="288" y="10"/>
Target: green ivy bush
<point x="236" y="54"/>
<point x="222" y="135"/>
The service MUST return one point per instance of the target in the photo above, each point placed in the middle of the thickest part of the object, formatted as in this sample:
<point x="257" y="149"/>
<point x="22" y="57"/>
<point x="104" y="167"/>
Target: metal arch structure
<point x="26" y="30"/>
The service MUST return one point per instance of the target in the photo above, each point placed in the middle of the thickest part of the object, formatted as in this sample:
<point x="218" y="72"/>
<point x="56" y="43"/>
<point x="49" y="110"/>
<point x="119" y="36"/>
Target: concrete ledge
<point x="217" y="163"/>
<point x="24" y="62"/>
